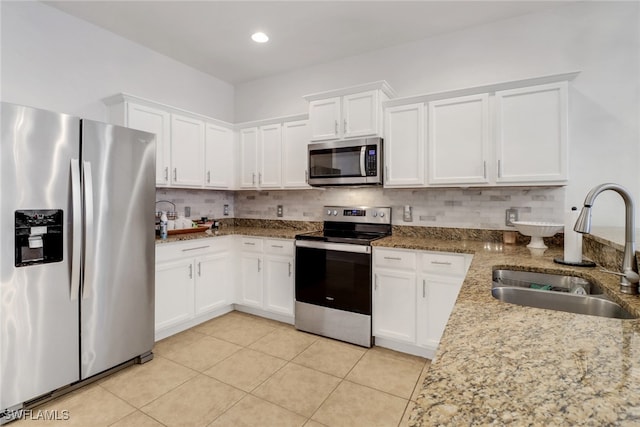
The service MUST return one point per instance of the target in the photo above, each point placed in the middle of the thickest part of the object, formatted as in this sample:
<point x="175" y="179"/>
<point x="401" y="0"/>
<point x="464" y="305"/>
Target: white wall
<point x="600" y="39"/>
<point x="55" y="61"/>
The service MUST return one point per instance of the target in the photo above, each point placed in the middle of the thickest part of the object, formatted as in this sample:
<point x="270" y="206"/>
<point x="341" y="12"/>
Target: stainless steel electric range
<point x="333" y="273"/>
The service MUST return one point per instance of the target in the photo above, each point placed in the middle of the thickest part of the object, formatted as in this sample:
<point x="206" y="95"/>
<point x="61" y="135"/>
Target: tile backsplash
<point x="480" y="208"/>
<point x="209" y="203"/>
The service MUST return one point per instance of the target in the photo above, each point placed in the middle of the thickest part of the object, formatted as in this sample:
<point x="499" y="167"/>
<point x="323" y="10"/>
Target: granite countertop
<point x="500" y="363"/>
<point x="275" y="233"/>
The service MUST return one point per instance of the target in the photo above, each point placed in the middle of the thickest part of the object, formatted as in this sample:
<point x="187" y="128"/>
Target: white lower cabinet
<point x="266" y="277"/>
<point x="414" y="293"/>
<point x="174" y="293"/>
<point x="194" y="282"/>
<point x="436" y="297"/>
<point x="395" y="305"/>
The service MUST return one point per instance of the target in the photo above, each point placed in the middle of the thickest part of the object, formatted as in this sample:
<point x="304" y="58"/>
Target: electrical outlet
<point x="187" y="211"/>
<point x="279" y="211"/>
<point x="510" y="216"/>
<point x="225" y="210"/>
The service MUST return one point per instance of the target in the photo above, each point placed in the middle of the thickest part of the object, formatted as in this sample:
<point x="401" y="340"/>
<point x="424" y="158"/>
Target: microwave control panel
<point x="372" y="160"/>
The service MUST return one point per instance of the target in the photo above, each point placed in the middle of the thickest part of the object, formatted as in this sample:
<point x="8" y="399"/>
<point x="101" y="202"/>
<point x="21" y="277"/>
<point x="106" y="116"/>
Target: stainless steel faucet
<point x="629" y="277"/>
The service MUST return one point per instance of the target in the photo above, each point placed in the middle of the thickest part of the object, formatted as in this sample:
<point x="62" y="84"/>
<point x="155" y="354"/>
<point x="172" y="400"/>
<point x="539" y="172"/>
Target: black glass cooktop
<point x="341" y="236"/>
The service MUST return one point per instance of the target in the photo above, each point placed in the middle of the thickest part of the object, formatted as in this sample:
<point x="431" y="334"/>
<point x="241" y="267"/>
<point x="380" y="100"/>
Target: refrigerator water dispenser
<point x="38" y="237"/>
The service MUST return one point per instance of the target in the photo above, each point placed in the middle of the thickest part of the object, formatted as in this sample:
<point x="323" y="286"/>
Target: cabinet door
<point x="295" y="140"/>
<point x="251" y="279"/>
<point x="360" y="114"/>
<point x="174" y="293"/>
<point x="324" y="117"/>
<point x="278" y="284"/>
<point x="187" y="151"/>
<point x="404" y="146"/>
<point x="458" y="140"/>
<point x="436" y="297"/>
<point x="270" y="156"/>
<point x="249" y="157"/>
<point x="155" y="121"/>
<point x="213" y="287"/>
<point x="219" y="158"/>
<point x="531" y="134"/>
<point x="394" y="305"/>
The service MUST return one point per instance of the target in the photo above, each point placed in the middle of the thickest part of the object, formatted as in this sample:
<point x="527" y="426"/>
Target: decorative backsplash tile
<point x="209" y="203"/>
<point x="478" y="208"/>
<point x="457" y="208"/>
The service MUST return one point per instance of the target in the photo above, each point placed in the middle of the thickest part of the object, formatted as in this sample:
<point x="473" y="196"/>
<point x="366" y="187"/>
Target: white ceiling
<point x="214" y="36"/>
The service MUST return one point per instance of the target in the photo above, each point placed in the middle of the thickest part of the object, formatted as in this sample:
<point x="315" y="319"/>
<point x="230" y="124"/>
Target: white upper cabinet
<point x="511" y="133"/>
<point x="404" y="145"/>
<point x="295" y="140"/>
<point x="274" y="155"/>
<point x="219" y="157"/>
<point x="325" y="116"/>
<point x="360" y="114"/>
<point x="192" y="151"/>
<point x="458" y="143"/>
<point x="270" y="156"/>
<point x="156" y="121"/>
<point x="261" y="157"/>
<point x="348" y="113"/>
<point x="531" y="134"/>
<point x="187" y="151"/>
<point x="249" y="157"/>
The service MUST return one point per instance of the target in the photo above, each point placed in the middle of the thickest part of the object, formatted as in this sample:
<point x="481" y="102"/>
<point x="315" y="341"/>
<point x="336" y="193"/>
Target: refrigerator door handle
<point x="76" y="243"/>
<point x="89" y="244"/>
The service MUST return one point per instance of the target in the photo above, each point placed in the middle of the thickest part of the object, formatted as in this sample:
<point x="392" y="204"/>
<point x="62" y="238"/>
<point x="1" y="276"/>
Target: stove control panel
<point x="363" y="214"/>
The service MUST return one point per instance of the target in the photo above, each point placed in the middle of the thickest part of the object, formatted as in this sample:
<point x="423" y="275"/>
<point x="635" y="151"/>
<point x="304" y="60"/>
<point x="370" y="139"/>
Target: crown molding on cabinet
<point x="122" y="97"/>
<point x="379" y="85"/>
<point x="476" y="90"/>
<point x="272" y="120"/>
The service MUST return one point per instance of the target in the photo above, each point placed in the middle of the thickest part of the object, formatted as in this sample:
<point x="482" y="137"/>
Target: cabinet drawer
<point x="279" y="247"/>
<point x="169" y="251"/>
<point x="251" y="244"/>
<point x="452" y="264"/>
<point x="394" y="259"/>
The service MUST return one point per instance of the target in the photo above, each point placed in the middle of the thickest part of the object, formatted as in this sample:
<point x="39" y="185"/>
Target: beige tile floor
<point x="243" y="370"/>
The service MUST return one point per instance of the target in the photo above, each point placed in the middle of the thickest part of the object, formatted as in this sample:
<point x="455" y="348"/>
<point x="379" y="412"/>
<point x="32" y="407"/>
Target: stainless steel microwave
<point x="350" y="162"/>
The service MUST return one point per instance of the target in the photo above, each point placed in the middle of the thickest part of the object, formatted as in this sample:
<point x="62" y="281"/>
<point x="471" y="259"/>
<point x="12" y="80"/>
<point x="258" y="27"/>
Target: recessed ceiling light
<point x="259" y="37"/>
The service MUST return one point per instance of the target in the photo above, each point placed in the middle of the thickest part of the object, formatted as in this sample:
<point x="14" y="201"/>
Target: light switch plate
<point x="187" y="211"/>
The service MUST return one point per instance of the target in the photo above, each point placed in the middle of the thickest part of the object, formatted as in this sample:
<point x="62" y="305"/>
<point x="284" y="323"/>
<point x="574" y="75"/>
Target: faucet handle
<point x="630" y="275"/>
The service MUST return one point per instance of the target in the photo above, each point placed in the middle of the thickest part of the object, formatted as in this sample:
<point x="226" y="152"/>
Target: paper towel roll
<point x="572" y="239"/>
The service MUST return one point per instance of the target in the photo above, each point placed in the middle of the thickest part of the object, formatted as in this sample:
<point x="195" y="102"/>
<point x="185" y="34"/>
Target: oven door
<point x="334" y="275"/>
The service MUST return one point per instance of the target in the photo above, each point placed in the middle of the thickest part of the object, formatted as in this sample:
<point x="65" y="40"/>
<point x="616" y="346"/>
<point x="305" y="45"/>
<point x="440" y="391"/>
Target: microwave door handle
<point x="363" y="153"/>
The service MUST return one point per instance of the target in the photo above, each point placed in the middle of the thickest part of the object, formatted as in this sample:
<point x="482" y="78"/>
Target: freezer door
<point x="39" y="315"/>
<point x="117" y="296"/>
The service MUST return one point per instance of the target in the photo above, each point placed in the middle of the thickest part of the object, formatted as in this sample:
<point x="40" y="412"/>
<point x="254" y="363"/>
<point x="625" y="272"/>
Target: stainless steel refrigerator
<point x="77" y="251"/>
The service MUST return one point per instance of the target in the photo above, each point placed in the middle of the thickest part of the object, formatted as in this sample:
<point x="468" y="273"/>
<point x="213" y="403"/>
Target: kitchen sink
<point x="555" y="292"/>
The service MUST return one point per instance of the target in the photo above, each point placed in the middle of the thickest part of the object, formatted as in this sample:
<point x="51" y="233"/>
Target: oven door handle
<point x="363" y="154"/>
<point x="340" y="247"/>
